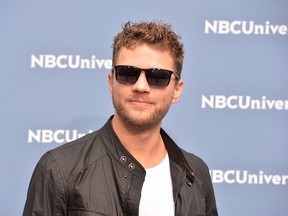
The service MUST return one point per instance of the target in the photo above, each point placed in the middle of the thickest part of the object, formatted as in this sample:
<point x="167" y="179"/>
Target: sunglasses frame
<point x="147" y="72"/>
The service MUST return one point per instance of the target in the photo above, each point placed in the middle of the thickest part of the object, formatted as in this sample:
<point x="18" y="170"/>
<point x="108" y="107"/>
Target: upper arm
<point x="46" y="193"/>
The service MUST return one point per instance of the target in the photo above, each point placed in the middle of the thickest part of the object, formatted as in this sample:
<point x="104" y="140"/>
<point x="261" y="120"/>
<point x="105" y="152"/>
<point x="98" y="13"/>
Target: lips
<point x="141" y="102"/>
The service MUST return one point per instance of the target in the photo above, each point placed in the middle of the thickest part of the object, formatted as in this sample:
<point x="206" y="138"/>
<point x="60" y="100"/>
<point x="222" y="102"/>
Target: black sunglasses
<point x="156" y="77"/>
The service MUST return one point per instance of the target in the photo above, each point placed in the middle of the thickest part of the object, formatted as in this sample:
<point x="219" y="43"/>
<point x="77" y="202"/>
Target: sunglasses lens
<point x="158" y="78"/>
<point x="126" y="75"/>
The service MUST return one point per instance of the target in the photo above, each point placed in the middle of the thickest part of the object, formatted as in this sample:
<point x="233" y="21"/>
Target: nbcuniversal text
<point x="244" y="27"/>
<point x="241" y="102"/>
<point x="245" y="177"/>
<point x="49" y="61"/>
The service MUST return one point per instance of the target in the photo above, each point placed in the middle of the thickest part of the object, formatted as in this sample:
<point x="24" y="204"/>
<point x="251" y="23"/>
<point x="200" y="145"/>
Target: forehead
<point x="145" y="56"/>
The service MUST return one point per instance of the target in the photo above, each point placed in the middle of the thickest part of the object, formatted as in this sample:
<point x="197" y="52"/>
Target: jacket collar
<point x="121" y="154"/>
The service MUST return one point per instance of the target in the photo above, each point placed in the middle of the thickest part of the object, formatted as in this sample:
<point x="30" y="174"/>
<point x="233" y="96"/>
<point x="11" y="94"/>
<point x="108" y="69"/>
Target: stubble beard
<point x="142" y="121"/>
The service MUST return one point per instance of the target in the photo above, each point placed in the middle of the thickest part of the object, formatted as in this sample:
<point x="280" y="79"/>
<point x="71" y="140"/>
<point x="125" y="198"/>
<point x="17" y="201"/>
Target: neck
<point x="146" y="146"/>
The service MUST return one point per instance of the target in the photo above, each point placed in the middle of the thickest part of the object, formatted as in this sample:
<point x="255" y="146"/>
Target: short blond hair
<point x="156" y="34"/>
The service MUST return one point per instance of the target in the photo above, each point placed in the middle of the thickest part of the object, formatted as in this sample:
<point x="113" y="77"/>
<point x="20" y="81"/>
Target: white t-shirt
<point x="157" y="192"/>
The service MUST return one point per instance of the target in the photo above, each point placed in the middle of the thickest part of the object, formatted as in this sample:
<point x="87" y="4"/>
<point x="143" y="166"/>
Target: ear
<point x="178" y="91"/>
<point x="110" y="81"/>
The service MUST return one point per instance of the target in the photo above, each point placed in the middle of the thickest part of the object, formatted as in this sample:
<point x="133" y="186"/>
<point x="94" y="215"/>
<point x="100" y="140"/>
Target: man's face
<point x="139" y="105"/>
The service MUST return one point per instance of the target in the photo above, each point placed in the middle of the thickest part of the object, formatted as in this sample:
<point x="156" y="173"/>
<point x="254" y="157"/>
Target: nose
<point x="141" y="85"/>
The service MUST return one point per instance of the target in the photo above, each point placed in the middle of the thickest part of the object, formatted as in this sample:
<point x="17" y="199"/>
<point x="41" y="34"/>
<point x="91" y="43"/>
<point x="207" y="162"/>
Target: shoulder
<point x="78" y="147"/>
<point x="73" y="157"/>
<point x="199" y="167"/>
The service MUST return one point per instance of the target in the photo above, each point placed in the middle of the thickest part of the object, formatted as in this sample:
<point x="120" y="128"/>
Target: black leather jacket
<point x="96" y="175"/>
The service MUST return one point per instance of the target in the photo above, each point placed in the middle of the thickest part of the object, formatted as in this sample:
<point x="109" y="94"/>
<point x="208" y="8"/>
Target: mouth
<point x="141" y="103"/>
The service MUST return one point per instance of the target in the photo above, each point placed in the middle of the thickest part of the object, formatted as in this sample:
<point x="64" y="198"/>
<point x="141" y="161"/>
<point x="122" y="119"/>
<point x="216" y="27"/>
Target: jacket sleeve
<point x="211" y="208"/>
<point x="46" y="194"/>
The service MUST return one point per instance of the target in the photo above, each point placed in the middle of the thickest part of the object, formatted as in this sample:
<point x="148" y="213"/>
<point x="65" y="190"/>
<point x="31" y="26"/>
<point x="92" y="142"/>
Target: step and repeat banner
<point x="55" y="57"/>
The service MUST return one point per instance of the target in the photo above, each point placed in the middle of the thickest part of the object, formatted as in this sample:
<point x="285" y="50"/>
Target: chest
<point x="109" y="188"/>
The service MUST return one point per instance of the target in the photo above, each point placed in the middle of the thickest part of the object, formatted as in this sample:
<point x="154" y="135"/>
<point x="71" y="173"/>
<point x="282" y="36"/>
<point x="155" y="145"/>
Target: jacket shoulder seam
<point x="63" y="191"/>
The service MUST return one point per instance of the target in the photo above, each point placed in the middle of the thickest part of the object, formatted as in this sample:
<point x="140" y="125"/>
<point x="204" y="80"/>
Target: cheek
<point x="110" y="82"/>
<point x="117" y="92"/>
<point x="114" y="92"/>
<point x="167" y="98"/>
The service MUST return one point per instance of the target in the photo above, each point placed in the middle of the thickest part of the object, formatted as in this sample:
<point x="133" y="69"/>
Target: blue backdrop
<point x="54" y="60"/>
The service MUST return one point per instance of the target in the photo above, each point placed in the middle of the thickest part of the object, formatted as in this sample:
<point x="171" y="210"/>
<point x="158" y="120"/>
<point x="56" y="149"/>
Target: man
<point x="130" y="166"/>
